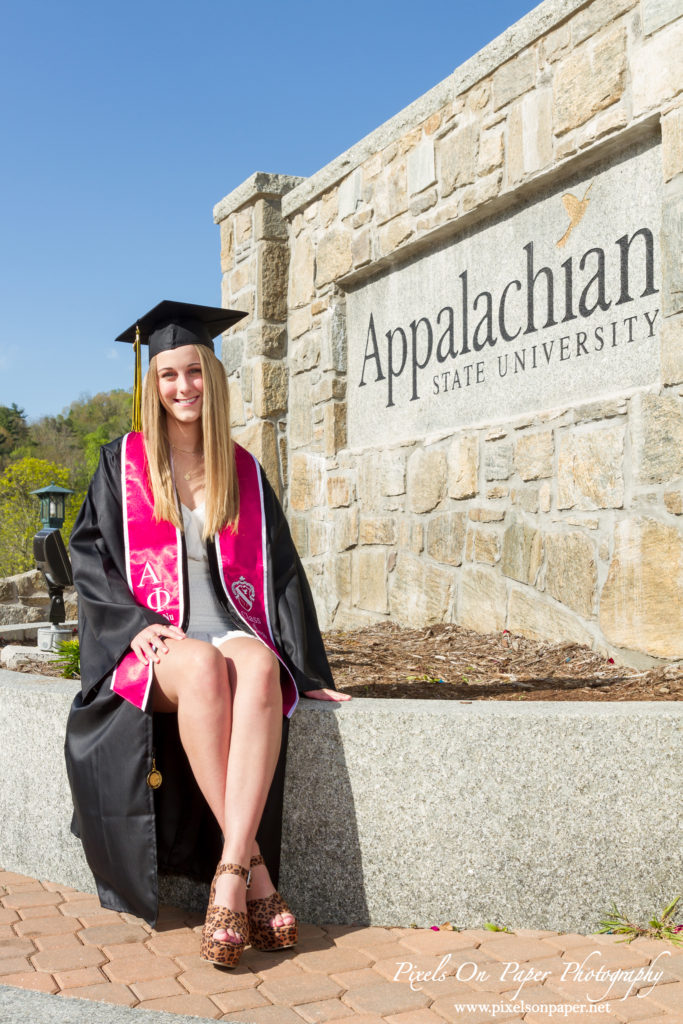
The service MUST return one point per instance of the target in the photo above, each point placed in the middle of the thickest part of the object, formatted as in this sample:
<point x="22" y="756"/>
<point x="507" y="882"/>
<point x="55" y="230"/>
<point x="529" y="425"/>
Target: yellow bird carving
<point x="576" y="208"/>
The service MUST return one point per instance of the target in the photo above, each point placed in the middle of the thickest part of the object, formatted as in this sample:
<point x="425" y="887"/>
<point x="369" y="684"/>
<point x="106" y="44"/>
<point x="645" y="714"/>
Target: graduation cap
<point x="170" y="325"/>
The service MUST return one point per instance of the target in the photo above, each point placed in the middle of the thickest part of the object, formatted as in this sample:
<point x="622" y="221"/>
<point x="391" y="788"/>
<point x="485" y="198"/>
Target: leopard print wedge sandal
<point x="262" y="934"/>
<point x="225" y="954"/>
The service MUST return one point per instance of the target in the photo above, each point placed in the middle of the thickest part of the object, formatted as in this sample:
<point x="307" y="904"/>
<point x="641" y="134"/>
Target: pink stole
<point x="154" y="565"/>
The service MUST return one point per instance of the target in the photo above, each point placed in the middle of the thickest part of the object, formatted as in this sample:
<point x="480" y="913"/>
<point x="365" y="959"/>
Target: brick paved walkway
<point x="57" y="940"/>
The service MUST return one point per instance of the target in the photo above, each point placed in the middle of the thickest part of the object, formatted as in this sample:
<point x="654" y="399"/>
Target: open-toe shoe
<point x="262" y="934"/>
<point x="225" y="953"/>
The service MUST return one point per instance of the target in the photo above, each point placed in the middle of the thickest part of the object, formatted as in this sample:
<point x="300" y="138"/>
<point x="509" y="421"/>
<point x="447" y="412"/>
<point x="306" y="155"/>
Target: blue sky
<point x="122" y="124"/>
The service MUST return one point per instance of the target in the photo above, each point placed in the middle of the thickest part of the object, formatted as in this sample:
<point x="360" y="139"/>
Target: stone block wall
<point x="24" y="598"/>
<point x="565" y="524"/>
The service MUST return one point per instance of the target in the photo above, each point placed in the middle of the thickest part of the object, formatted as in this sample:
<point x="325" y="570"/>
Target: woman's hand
<point x="148" y="642"/>
<point x="327" y="694"/>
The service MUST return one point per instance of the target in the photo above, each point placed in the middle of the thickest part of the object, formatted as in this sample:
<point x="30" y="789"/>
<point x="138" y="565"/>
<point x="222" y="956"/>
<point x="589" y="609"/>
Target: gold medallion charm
<point x="194" y="472"/>
<point x="154" y="779"/>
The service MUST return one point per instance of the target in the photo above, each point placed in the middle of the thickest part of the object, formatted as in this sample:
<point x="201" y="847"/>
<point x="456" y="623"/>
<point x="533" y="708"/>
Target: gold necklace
<point x="191" y="472"/>
<point x="185" y="451"/>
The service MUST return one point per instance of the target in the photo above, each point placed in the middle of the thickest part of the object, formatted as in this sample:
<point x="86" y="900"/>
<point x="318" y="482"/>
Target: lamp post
<point x="52" y="502"/>
<point x="53" y="561"/>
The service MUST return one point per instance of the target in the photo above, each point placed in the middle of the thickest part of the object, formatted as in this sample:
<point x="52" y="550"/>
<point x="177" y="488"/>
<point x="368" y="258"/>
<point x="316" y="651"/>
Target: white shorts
<point x="217" y="638"/>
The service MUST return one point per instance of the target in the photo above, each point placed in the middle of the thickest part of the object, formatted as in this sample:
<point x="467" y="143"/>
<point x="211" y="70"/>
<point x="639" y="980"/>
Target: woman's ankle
<point x="237" y="854"/>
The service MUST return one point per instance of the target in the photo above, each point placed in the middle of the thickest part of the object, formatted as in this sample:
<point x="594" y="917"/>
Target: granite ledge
<point x="35" y="683"/>
<point x="441" y="810"/>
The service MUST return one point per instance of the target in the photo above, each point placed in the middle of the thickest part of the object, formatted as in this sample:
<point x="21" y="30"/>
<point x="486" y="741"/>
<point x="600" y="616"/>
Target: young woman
<point x="198" y="631"/>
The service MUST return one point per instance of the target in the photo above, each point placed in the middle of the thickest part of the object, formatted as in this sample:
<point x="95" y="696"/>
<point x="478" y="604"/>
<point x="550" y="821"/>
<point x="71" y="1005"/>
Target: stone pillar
<point x="255" y="267"/>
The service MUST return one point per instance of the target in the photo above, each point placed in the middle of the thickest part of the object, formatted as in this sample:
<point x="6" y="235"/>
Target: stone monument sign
<point x="462" y="366"/>
<point x="557" y="301"/>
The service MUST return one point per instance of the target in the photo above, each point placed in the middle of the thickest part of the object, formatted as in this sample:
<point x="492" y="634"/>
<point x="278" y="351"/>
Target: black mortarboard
<point x="171" y="325"/>
<point x="174" y="324"/>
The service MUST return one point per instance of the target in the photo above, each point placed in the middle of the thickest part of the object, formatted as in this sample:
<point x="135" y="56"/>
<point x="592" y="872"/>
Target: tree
<point x="20" y="510"/>
<point x="73" y="438"/>
<point x="52" y="439"/>
<point x="13" y="428"/>
<point x="108" y="410"/>
<point x="64" y="450"/>
<point x="91" y="450"/>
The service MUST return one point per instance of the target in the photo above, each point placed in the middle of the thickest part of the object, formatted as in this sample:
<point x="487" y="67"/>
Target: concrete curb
<point x="19" y="1005"/>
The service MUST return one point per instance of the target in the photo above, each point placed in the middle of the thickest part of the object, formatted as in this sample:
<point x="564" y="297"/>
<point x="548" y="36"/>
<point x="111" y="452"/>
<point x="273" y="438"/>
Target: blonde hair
<point x="221" y="484"/>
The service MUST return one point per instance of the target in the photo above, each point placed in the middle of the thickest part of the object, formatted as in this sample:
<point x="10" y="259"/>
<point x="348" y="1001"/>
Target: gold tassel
<point x="137" y="387"/>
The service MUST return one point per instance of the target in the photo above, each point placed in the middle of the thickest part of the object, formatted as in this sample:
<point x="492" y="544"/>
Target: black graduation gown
<point x="130" y="833"/>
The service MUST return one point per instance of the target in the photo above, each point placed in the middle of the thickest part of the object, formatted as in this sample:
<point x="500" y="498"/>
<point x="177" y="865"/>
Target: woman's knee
<point x="197" y="671"/>
<point x="207" y="673"/>
<point x="261" y="679"/>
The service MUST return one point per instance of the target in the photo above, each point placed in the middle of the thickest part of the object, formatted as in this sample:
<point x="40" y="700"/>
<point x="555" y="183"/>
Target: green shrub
<point x="69" y="658"/>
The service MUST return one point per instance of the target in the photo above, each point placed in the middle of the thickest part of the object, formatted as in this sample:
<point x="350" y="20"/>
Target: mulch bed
<point x="447" y="662"/>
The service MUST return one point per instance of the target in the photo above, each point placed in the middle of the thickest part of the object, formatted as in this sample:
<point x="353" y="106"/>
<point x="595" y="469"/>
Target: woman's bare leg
<point x="254" y="674"/>
<point x="192" y="680"/>
<point x="229" y="707"/>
